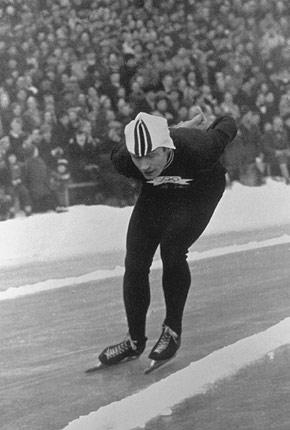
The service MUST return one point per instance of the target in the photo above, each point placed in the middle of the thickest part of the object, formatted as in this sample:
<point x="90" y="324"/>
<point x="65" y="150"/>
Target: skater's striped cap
<point x="147" y="133"/>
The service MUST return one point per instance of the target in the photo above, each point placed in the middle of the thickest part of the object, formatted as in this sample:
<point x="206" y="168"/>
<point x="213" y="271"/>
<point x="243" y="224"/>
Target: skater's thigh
<point x="187" y="222"/>
<point x="143" y="235"/>
<point x="182" y="230"/>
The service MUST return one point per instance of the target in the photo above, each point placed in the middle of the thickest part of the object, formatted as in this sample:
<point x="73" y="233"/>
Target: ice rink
<point x="61" y="303"/>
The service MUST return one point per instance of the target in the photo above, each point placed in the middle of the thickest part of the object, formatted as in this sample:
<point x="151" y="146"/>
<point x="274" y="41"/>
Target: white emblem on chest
<point x="177" y="180"/>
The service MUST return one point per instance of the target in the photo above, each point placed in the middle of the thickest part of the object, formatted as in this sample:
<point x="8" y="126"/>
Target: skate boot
<point x="164" y="349"/>
<point x="128" y="349"/>
<point x="166" y="346"/>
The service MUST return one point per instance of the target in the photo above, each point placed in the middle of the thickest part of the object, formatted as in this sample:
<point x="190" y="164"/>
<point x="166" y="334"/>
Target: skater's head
<point x="146" y="133"/>
<point x="149" y="144"/>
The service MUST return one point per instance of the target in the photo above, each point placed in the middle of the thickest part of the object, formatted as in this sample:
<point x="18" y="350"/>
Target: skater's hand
<point x="198" y="120"/>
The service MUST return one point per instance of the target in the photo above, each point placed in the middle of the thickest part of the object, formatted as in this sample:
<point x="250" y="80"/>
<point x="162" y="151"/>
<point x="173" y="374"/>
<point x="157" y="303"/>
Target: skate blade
<point x="98" y="366"/>
<point x="155" y="364"/>
<point x="101" y="366"/>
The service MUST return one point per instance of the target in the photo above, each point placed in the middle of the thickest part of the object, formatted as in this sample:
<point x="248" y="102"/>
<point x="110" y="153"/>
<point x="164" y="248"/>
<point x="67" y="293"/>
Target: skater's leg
<point x="142" y="241"/>
<point x="180" y="233"/>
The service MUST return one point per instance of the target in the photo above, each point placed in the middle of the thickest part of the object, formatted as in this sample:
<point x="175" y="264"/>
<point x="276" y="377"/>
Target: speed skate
<point x="164" y="350"/>
<point x="103" y="366"/>
<point x="155" y="364"/>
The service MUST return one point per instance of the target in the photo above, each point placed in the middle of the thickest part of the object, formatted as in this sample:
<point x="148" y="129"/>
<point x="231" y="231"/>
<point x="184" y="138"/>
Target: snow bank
<point x="99" y="229"/>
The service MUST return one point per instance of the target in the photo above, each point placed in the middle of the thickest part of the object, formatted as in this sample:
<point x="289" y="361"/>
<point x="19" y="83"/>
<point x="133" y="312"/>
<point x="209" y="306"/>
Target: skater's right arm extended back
<point x="123" y="163"/>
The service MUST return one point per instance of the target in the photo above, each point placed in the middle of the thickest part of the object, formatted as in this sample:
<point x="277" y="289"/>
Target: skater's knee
<point x="137" y="266"/>
<point x="171" y="257"/>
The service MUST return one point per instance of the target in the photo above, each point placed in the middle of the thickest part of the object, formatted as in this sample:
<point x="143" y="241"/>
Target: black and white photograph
<point x="144" y="214"/>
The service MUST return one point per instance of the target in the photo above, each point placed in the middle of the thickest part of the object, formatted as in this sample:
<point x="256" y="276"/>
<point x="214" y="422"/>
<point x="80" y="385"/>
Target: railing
<point x="84" y="197"/>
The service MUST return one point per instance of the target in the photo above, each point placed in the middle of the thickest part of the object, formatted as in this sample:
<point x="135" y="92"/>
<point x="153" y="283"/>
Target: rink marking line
<point x="52" y="284"/>
<point x="159" y="398"/>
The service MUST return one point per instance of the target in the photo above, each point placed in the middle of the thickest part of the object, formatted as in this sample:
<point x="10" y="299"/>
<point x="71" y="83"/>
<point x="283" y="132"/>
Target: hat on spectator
<point x="146" y="133"/>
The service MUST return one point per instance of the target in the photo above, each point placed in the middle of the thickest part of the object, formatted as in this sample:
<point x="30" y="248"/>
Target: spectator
<point x="16" y="138"/>
<point x="49" y="148"/>
<point x="74" y="120"/>
<point x="246" y="95"/>
<point x="6" y="204"/>
<point x="284" y="105"/>
<point x="13" y="111"/>
<point x="65" y="56"/>
<point x="32" y="117"/>
<point x="228" y="107"/>
<point x="251" y="153"/>
<point x="36" y="179"/>
<point x="175" y="99"/>
<point x="266" y="106"/>
<point x="167" y="83"/>
<point x="147" y="100"/>
<point x="112" y="87"/>
<point x="182" y="114"/>
<point x="17" y="190"/>
<point x="49" y="119"/>
<point x="82" y="155"/>
<point x="62" y="132"/>
<point x="277" y="147"/>
<point x="266" y="137"/>
<point x="287" y="126"/>
<point x="4" y="145"/>
<point x="113" y="137"/>
<point x="60" y="180"/>
<point x="164" y="108"/>
<point x="124" y="114"/>
<point x="127" y="71"/>
<point x="6" y="207"/>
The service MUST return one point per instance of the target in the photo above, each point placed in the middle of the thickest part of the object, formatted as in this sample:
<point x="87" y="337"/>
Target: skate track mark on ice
<point x="51" y="284"/>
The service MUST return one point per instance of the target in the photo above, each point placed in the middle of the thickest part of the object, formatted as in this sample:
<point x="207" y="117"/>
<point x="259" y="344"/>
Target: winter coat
<point x="275" y="140"/>
<point x="80" y="157"/>
<point x="16" y="145"/>
<point x="251" y="141"/>
<point x="37" y="177"/>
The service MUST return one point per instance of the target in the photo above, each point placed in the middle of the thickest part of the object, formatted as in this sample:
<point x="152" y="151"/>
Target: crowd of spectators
<point x="74" y="72"/>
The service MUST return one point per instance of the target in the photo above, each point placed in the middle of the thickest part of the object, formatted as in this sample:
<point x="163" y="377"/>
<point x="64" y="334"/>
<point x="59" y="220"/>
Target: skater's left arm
<point x="205" y="147"/>
<point x="198" y="120"/>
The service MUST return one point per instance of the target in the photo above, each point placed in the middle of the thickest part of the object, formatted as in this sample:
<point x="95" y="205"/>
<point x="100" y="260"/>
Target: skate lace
<point x="165" y="338"/>
<point x="121" y="347"/>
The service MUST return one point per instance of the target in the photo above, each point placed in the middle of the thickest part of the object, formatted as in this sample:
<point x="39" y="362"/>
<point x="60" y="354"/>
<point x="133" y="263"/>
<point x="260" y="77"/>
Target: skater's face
<point x="152" y="164"/>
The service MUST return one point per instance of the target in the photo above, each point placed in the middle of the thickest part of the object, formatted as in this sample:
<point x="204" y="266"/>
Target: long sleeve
<point x="122" y="162"/>
<point x="205" y="147"/>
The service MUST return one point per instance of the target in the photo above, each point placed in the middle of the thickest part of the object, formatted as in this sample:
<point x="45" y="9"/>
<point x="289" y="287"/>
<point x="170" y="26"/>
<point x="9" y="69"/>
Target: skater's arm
<point x="123" y="163"/>
<point x="198" y="120"/>
<point x="205" y="147"/>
